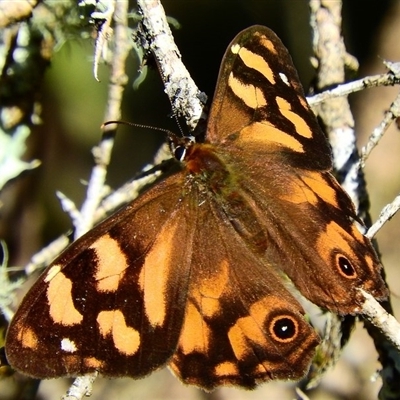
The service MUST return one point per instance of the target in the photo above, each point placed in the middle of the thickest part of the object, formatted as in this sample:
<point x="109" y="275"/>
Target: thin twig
<point x="69" y="207"/>
<point x="131" y="190"/>
<point x="390" y="116"/>
<point x="81" y="387"/>
<point x="186" y="99"/>
<point x="47" y="254"/>
<point x="388" y="79"/>
<point x="330" y="54"/>
<point x="102" y="152"/>
<point x="339" y="125"/>
<point x="336" y="115"/>
<point x="113" y="201"/>
<point x="380" y="318"/>
<point x="385" y="215"/>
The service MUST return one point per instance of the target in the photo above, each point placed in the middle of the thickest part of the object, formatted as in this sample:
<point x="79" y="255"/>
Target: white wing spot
<point x="284" y="78"/>
<point x="68" y="345"/>
<point x="53" y="271"/>
<point x="235" y="48"/>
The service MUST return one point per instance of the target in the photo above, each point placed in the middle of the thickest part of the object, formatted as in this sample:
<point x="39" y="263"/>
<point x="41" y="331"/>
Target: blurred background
<point x="73" y="106"/>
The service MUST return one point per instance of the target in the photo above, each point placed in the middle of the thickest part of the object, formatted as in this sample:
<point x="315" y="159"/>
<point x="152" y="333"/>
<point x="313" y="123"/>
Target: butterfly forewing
<point x="259" y="104"/>
<point x="115" y="299"/>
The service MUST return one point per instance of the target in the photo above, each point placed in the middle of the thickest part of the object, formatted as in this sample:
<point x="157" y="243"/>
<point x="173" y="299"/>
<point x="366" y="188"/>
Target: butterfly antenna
<point x="177" y="119"/>
<point x="164" y="81"/>
<point x="136" y="125"/>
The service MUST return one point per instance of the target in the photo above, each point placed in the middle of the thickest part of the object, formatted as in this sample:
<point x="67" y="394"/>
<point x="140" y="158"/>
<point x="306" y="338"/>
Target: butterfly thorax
<point x="202" y="161"/>
<point x="212" y="176"/>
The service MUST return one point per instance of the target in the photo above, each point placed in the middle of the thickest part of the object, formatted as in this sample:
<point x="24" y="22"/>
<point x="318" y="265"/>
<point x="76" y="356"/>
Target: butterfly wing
<point x="264" y="129"/>
<point x="241" y="325"/>
<point x="114" y="301"/>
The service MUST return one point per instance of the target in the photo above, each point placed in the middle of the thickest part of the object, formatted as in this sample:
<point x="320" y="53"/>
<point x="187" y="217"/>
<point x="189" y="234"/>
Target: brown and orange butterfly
<point x="194" y="273"/>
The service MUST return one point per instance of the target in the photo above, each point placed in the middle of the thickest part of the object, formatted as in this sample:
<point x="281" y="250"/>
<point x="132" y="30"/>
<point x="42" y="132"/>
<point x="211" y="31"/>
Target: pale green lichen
<point x="8" y="287"/>
<point x="12" y="149"/>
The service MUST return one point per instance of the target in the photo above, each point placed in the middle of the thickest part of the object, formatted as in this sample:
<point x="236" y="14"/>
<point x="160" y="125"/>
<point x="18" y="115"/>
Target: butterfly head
<point x="179" y="145"/>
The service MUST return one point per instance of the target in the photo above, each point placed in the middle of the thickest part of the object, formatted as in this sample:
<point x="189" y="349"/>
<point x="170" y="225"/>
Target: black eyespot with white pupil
<point x="284" y="328"/>
<point x="345" y="267"/>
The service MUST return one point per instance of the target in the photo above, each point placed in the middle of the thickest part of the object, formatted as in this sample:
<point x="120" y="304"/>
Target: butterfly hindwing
<point x="242" y="326"/>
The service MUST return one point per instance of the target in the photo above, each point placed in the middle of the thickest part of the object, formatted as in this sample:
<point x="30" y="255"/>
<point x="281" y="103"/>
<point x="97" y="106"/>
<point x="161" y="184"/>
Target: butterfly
<point x="195" y="274"/>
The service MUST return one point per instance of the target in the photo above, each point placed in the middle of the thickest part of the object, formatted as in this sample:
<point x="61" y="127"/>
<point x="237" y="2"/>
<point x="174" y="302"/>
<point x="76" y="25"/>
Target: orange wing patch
<point x="59" y="296"/>
<point x="257" y="62"/>
<point x="28" y="338"/>
<point x="300" y="124"/>
<point x="251" y="95"/>
<point x="267" y="134"/>
<point x="155" y="273"/>
<point x="195" y="335"/>
<point x="112" y="323"/>
<point x="111" y="263"/>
